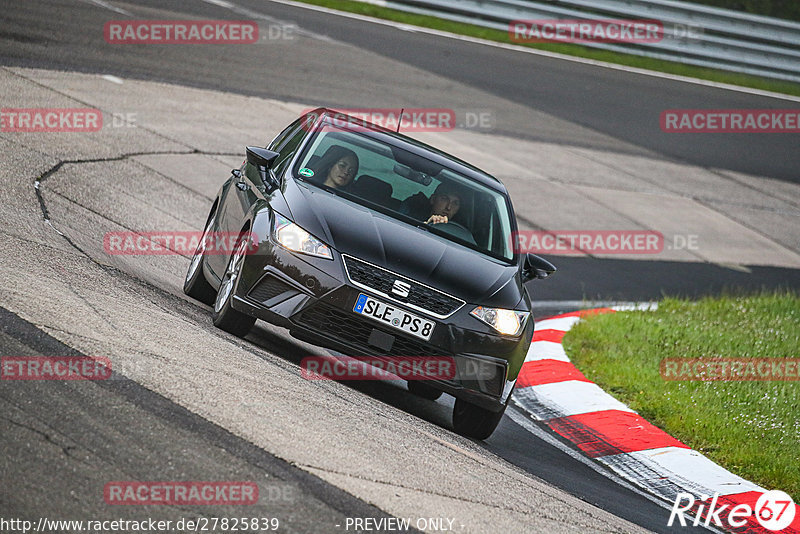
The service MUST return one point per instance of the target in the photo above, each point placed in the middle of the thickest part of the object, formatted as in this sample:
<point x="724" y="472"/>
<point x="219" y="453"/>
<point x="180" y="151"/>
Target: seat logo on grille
<point x="400" y="288"/>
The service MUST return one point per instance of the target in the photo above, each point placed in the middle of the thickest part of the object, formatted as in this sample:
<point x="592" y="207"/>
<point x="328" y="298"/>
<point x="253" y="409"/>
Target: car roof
<point x="414" y="146"/>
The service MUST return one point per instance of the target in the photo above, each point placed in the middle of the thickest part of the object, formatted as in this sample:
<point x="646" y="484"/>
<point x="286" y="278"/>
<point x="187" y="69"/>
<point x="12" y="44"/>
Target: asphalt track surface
<point x="582" y="104"/>
<point x="84" y="426"/>
<point x="534" y="97"/>
<point x="80" y="434"/>
<point x="55" y="36"/>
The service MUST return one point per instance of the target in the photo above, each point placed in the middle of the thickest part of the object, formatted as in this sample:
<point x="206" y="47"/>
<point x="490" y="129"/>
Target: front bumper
<point x="314" y="299"/>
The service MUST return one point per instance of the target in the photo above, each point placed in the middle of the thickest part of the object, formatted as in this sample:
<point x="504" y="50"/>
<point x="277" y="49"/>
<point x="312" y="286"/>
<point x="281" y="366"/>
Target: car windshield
<point x="409" y="188"/>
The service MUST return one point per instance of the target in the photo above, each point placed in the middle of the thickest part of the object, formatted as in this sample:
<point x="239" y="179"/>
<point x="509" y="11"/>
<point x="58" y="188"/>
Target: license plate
<point x="393" y="316"/>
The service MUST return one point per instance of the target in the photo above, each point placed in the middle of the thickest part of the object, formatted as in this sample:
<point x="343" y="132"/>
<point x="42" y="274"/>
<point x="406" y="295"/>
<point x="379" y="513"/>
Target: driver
<point x="445" y="203"/>
<point x="440" y="208"/>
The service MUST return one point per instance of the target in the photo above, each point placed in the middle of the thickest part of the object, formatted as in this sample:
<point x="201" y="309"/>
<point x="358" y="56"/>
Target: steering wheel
<point x="457" y="230"/>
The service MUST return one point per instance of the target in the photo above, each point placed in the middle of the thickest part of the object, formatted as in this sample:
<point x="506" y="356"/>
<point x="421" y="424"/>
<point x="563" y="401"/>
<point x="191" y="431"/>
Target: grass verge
<point x="750" y="428"/>
<point x="471" y="30"/>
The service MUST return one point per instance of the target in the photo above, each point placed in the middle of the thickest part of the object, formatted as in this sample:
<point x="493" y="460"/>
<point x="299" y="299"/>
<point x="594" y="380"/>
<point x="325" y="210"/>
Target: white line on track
<point x="591" y="304"/>
<point x="109" y="6"/>
<point x="575" y="397"/>
<point x="220" y="3"/>
<point x="261" y="16"/>
<point x="113" y="79"/>
<point x="574" y="59"/>
<point x="546" y="350"/>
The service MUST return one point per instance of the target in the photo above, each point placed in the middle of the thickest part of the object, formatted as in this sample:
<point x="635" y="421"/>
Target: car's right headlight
<point x="291" y="236"/>
<point x="508" y="322"/>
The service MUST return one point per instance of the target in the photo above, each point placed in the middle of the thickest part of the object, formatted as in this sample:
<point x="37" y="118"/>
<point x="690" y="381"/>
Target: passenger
<point x="339" y="166"/>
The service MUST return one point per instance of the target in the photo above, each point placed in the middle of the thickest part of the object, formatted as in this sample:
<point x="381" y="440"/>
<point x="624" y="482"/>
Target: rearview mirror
<point x="536" y="267"/>
<point x="417" y="163"/>
<point x="414" y="176"/>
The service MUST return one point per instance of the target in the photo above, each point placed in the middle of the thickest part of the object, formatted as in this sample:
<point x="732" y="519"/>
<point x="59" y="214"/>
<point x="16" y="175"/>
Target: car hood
<point x="413" y="252"/>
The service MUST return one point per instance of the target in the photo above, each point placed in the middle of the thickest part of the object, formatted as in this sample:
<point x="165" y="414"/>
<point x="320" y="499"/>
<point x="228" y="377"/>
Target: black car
<point x="338" y="217"/>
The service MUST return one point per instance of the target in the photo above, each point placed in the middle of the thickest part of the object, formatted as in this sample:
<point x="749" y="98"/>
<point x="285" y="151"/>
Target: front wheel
<point x="195" y="285"/>
<point x="473" y="421"/>
<point x="225" y="317"/>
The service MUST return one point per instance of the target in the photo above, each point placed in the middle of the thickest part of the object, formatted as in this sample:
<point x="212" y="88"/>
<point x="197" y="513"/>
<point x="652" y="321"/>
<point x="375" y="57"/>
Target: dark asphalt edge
<point x="159" y="406"/>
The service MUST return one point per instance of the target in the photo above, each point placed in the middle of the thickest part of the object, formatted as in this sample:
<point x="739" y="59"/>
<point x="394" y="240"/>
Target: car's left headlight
<point x="291" y="236"/>
<point x="508" y="322"/>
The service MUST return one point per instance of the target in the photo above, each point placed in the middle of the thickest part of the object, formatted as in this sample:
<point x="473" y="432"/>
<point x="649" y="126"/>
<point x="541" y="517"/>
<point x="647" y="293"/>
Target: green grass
<point x="630" y="60"/>
<point x="750" y="428"/>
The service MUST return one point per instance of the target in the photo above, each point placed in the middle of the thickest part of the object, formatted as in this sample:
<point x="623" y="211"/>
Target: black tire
<point x="225" y="317"/>
<point x="473" y="421"/>
<point x="423" y="390"/>
<point x="195" y="284"/>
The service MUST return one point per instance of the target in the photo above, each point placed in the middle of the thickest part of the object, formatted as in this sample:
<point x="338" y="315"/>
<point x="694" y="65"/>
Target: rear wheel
<point x="474" y="421"/>
<point x="423" y="390"/>
<point x="195" y="285"/>
<point x="225" y="317"/>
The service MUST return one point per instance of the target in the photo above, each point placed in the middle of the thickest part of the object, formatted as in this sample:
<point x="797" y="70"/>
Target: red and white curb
<point x="552" y="390"/>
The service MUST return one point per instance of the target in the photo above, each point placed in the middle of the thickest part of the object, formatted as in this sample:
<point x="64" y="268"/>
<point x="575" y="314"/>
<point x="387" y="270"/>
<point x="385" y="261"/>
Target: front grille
<point x="471" y="373"/>
<point x="420" y="296"/>
<point x="350" y="328"/>
<point x="267" y="288"/>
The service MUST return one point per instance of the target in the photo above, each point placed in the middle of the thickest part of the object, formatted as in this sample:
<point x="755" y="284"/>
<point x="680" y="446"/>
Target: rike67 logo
<point x="774" y="510"/>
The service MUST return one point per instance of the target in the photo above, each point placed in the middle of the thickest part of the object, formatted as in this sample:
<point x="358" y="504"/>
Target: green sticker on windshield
<point x="305" y="171"/>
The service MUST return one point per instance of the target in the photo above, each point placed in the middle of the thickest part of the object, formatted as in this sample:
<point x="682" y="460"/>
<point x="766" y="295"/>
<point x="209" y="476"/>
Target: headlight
<point x="507" y="322"/>
<point x="291" y="236"/>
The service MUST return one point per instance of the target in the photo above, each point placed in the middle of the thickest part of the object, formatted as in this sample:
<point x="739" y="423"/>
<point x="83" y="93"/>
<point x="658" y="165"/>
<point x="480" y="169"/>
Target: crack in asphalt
<point x="39" y="182"/>
<point x="37" y="185"/>
<point x="64" y="448"/>
<point x="109" y="219"/>
<point x="174" y="181"/>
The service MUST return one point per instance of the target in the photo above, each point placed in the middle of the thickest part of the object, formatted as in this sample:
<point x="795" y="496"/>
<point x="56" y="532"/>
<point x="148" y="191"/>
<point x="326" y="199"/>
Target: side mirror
<point x="536" y="268"/>
<point x="262" y="159"/>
